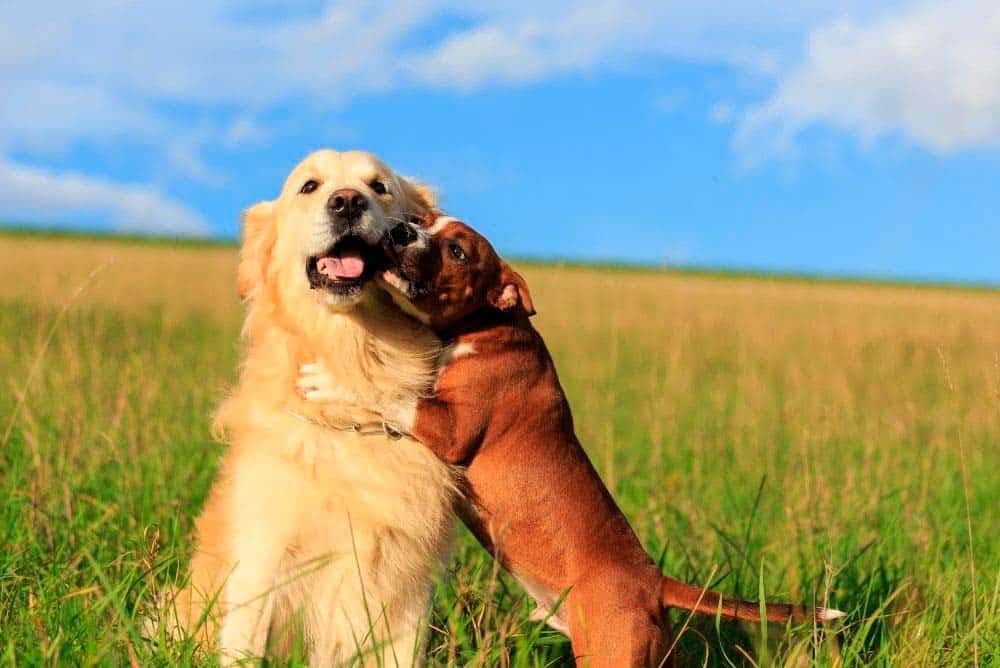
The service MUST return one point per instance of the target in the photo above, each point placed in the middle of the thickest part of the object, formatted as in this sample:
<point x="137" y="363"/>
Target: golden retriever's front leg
<point x="249" y="605"/>
<point x="265" y="519"/>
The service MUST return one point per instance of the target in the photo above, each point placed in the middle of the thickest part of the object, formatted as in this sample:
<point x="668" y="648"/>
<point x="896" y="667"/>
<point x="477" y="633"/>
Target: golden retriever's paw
<point x="316" y="385"/>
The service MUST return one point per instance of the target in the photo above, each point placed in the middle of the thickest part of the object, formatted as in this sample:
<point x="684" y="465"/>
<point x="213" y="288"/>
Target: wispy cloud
<point x="671" y="101"/>
<point x="722" y="113"/>
<point x="51" y="116"/>
<point x="106" y="75"/>
<point x="525" y="49"/>
<point x="141" y="62"/>
<point x="45" y="196"/>
<point x="243" y="132"/>
<point x="930" y="74"/>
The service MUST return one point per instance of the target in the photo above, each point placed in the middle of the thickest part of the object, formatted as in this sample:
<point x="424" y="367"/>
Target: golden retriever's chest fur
<point x="333" y="528"/>
<point x="378" y="485"/>
<point x="371" y="518"/>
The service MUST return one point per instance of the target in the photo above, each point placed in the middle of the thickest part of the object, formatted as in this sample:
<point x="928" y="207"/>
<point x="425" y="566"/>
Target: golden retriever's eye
<point x="378" y="187"/>
<point x="309" y="186"/>
<point x="457" y="252"/>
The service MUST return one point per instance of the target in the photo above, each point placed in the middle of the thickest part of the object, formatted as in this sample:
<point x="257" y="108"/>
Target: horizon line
<point x="706" y="270"/>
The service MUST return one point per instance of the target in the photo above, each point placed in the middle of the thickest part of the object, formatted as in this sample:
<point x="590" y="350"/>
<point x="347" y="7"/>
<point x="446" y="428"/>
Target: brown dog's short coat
<point x="536" y="501"/>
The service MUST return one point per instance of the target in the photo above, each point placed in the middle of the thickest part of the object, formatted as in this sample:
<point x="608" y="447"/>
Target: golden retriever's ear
<point x="258" y="239"/>
<point x="511" y="293"/>
<point x="420" y="194"/>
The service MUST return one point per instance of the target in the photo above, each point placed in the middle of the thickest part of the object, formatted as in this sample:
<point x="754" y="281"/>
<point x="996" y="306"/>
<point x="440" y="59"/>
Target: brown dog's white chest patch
<point x="453" y="352"/>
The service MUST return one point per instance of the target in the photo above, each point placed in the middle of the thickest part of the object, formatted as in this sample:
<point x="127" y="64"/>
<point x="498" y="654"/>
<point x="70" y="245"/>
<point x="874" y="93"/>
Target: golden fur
<point x="309" y="528"/>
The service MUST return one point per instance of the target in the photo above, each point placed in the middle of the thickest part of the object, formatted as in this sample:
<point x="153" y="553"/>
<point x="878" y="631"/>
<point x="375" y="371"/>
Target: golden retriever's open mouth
<point x="345" y="266"/>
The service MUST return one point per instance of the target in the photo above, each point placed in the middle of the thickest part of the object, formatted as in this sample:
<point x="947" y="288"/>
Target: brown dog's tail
<point x="676" y="594"/>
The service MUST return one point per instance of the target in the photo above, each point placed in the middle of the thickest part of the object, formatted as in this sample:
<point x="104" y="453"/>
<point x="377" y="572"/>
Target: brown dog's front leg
<point x="437" y="428"/>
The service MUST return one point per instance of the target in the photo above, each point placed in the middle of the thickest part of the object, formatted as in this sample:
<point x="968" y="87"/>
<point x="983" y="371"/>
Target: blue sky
<point x="833" y="137"/>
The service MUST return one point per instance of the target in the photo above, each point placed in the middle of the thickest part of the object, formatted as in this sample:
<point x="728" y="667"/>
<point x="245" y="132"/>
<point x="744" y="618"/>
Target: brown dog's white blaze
<point x="677" y="594"/>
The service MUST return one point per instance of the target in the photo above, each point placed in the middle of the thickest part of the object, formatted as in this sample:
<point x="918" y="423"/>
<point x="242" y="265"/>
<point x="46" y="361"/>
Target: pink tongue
<point x="349" y="265"/>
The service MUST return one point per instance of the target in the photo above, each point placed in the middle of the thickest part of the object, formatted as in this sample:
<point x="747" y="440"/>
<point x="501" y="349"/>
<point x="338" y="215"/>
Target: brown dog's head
<point x="322" y="237"/>
<point x="446" y="271"/>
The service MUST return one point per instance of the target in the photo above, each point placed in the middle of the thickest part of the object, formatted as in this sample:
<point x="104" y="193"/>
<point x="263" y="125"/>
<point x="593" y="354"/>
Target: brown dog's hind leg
<point x="618" y="622"/>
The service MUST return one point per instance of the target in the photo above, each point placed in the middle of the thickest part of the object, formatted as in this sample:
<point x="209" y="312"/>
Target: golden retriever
<point x="312" y="530"/>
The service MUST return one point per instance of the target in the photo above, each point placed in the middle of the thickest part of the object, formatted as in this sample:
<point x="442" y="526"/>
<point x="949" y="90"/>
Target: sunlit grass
<point x="802" y="437"/>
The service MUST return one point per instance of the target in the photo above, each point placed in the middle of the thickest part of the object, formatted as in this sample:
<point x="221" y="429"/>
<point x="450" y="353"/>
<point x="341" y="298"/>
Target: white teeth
<point x="395" y="281"/>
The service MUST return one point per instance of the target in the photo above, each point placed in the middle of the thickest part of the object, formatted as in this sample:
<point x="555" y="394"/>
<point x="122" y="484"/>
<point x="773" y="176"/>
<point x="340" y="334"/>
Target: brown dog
<point x="537" y="504"/>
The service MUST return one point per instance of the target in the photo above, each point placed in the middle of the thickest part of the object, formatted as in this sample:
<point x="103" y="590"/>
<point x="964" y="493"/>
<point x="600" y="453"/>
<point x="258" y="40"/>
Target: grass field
<point x="803" y="441"/>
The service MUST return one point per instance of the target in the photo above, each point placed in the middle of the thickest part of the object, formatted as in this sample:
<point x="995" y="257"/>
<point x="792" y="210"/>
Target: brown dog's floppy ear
<point x="258" y="239"/>
<point x="511" y="293"/>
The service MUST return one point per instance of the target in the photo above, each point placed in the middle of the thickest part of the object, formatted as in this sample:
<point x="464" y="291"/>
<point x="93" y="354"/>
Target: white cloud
<point x="47" y="116"/>
<point x="182" y="83"/>
<point x="929" y="73"/>
<point x="535" y="46"/>
<point x="672" y="101"/>
<point x="535" y="41"/>
<point x="183" y="153"/>
<point x="243" y="132"/>
<point x="185" y="159"/>
<point x="105" y="70"/>
<point x="48" y="197"/>
<point x="722" y="113"/>
<point x="129" y="64"/>
<point x="555" y="38"/>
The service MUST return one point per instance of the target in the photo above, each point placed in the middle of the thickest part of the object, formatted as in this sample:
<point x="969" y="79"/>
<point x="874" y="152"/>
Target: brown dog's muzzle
<point x="402" y="235"/>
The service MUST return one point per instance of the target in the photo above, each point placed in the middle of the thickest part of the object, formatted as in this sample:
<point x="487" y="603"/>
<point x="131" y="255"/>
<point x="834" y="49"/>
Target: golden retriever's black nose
<point x="347" y="203"/>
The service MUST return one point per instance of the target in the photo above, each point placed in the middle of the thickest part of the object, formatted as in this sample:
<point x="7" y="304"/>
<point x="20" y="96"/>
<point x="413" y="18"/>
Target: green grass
<point x="793" y="440"/>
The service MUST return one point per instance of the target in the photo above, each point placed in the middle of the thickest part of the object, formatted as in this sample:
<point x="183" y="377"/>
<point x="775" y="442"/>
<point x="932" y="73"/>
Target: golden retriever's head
<point x="323" y="235"/>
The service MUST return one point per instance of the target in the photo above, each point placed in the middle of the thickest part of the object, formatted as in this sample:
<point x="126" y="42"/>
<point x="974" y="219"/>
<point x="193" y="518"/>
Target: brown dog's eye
<point x="457" y="252"/>
<point x="379" y="187"/>
<point x="309" y="186"/>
